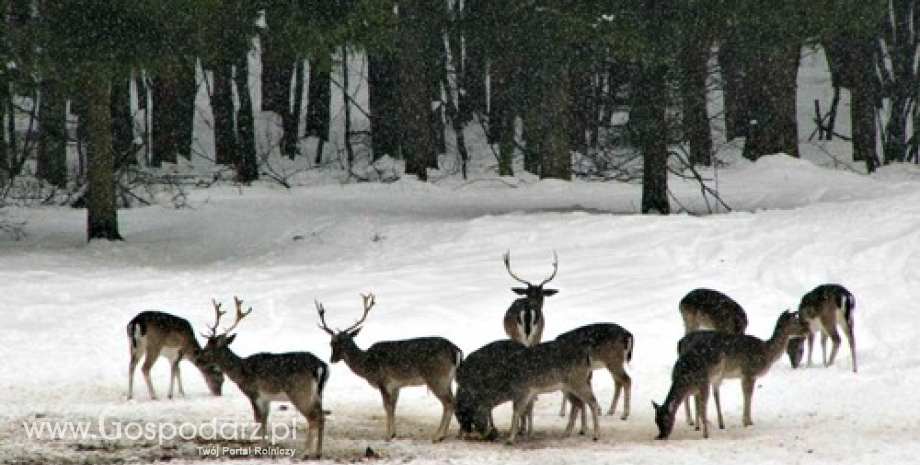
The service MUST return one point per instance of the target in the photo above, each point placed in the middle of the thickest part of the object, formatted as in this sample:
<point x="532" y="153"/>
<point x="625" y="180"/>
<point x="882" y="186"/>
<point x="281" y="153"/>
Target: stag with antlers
<point x="524" y="319"/>
<point x="295" y="377"/>
<point x="391" y="365"/>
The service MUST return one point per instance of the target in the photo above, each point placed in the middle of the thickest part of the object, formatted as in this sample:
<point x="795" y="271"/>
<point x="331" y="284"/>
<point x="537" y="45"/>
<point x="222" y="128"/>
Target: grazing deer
<point x="391" y="365"/>
<point x="295" y="377"/>
<point x="517" y="375"/>
<point x="746" y="357"/>
<point x="476" y="376"/>
<point x="692" y="375"/>
<point x="153" y="334"/>
<point x="524" y="319"/>
<point x="710" y="309"/>
<point x="826" y="307"/>
<point x="610" y="346"/>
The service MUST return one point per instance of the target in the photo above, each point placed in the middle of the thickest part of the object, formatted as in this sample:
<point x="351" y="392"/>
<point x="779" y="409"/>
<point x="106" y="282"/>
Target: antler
<point x="322" y="318"/>
<point x="217" y="314"/>
<point x="368" y="304"/>
<point x="555" y="269"/>
<point x="507" y="259"/>
<point x="239" y="314"/>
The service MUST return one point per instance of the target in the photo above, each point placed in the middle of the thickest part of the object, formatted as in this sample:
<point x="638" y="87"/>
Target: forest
<point x="97" y="95"/>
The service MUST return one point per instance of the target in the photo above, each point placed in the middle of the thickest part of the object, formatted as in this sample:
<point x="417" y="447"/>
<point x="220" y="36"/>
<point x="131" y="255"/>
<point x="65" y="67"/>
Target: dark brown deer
<point x="295" y="377"/>
<point x="610" y="347"/>
<point x="501" y="373"/>
<point x="826" y="307"/>
<point x="747" y="358"/>
<point x="692" y="375"/>
<point x="524" y="319"/>
<point x="391" y="365"/>
<point x="153" y="334"/>
<point x="710" y="309"/>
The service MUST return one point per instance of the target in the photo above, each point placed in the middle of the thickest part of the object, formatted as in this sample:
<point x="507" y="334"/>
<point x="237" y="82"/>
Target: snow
<point x="431" y="253"/>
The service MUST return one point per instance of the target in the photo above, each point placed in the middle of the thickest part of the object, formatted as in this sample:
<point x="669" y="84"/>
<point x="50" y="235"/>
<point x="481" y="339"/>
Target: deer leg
<point x="835" y="345"/>
<point x="175" y="377"/>
<point x="701" y="419"/>
<point x="586" y="395"/>
<point x="520" y="406"/>
<point x="132" y="366"/>
<point x="747" y="388"/>
<point x="443" y="392"/>
<point x="689" y="415"/>
<point x="851" y="341"/>
<point x="811" y="344"/>
<point x="621" y="381"/>
<point x="149" y="360"/>
<point x="312" y="410"/>
<point x="390" y="397"/>
<point x="562" y="407"/>
<point x="717" y="397"/>
<point x="260" y="416"/>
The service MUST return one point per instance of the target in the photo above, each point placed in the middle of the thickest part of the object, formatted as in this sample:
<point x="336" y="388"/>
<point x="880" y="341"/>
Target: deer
<point x="296" y="377"/>
<point x="518" y="375"/>
<point x="389" y="366"/>
<point x="524" y="318"/>
<point x="152" y="334"/>
<point x="610" y="346"/>
<point x="478" y="371"/>
<point x="710" y="309"/>
<point x="747" y="357"/>
<point x="692" y="375"/>
<point x="826" y="307"/>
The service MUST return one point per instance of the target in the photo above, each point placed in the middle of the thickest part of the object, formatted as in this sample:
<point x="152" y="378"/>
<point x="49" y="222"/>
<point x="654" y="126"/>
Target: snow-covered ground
<point x="431" y="253"/>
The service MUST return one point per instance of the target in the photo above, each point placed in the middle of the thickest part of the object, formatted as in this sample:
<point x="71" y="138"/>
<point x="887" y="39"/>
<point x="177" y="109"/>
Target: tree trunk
<point x="649" y="126"/>
<point x="247" y="169"/>
<point x="278" y="71"/>
<point x="225" y="146"/>
<point x="319" y="95"/>
<point x="384" y="105"/>
<point x="694" y="65"/>
<point x="732" y="61"/>
<point x="502" y="114"/>
<point x="290" y="141"/>
<point x="556" y="157"/>
<point x="773" y="127"/>
<point x="101" y="208"/>
<point x="419" y="143"/>
<point x="173" y="99"/>
<point x="122" y="124"/>
<point x="52" y="146"/>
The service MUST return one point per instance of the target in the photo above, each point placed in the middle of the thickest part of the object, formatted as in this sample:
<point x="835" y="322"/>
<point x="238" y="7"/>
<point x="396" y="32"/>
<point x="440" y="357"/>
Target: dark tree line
<point x="544" y="78"/>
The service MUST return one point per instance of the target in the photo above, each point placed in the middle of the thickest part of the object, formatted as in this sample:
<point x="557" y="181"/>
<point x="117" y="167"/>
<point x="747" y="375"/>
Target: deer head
<point x="344" y="338"/>
<point x="533" y="291"/>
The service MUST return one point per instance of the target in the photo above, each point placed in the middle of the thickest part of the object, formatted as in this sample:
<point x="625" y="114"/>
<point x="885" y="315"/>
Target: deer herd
<point x="714" y="348"/>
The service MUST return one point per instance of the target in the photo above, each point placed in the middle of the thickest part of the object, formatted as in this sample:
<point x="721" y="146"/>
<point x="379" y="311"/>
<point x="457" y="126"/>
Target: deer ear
<point x="550" y="292"/>
<point x="519" y="290"/>
<point x="655" y="406"/>
<point x="354" y="332"/>
<point x="230" y="339"/>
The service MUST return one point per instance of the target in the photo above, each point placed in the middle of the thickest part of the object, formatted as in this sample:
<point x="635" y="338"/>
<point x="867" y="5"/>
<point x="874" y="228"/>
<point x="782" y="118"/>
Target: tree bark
<point x="319" y="95"/>
<point x="649" y="126"/>
<point x="225" y="146"/>
<point x="278" y="73"/>
<point x="122" y="124"/>
<point x="247" y="169"/>
<point x="101" y="207"/>
<point x="52" y="145"/>
<point x="419" y="143"/>
<point x="384" y="106"/>
<point x="173" y="99"/>
<point x="773" y="126"/>
<point x="694" y="64"/>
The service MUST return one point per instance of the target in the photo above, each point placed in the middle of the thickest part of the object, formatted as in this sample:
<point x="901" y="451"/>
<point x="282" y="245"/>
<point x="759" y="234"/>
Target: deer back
<point x="163" y="329"/>
<point x="827" y="298"/>
<point x="606" y="342"/>
<point x="283" y="372"/>
<point x="417" y="359"/>
<point x="708" y="308"/>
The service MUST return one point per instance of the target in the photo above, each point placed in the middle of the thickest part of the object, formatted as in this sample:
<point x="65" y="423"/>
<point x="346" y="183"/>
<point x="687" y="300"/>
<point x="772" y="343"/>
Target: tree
<point x="87" y="45"/>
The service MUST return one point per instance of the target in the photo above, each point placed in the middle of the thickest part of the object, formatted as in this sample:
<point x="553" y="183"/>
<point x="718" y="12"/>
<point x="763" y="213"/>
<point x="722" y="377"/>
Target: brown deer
<point x="826" y="307"/>
<point x="524" y="319"/>
<point x="153" y="334"/>
<point x="746" y="357"/>
<point x="295" y="377"/>
<point x="710" y="309"/>
<point x="692" y="375"/>
<point x="610" y="346"/>
<point x="391" y="365"/>
<point x="500" y="373"/>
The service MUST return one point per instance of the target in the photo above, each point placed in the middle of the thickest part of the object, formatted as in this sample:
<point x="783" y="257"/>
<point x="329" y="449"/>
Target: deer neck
<point x="232" y="365"/>
<point x="776" y="345"/>
<point x="357" y="360"/>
